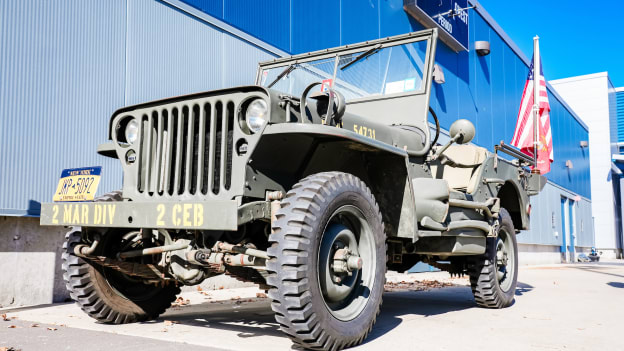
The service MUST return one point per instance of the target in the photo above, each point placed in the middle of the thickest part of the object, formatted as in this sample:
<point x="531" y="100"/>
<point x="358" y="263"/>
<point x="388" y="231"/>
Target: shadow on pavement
<point x="424" y="303"/>
<point x="256" y="319"/>
<point x="523" y="288"/>
<point x="597" y="269"/>
<point x="251" y="321"/>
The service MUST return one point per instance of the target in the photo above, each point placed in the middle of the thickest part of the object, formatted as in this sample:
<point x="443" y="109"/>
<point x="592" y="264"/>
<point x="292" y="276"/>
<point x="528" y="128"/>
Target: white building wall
<point x="588" y="96"/>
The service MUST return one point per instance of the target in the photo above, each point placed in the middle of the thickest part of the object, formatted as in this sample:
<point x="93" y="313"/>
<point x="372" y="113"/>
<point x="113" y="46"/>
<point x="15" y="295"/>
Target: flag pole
<point x="536" y="93"/>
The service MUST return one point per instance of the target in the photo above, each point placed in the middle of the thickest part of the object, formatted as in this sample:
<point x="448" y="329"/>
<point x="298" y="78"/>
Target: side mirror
<point x="462" y="131"/>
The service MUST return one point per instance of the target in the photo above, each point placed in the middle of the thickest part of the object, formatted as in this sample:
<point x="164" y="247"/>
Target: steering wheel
<point x="335" y="98"/>
<point x="303" y="102"/>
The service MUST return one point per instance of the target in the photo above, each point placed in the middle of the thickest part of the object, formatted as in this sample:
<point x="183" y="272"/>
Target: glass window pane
<point x="300" y="75"/>
<point x="391" y="70"/>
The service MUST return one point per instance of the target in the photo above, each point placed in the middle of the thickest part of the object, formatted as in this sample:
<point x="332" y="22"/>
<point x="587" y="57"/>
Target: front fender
<point x="328" y="133"/>
<point x="287" y="153"/>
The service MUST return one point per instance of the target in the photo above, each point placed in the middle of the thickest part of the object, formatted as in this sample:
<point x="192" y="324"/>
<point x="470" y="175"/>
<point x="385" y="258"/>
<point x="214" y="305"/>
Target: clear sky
<point x="576" y="37"/>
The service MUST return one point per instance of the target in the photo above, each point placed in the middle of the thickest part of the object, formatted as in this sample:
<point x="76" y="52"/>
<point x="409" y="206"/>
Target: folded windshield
<point x="372" y="71"/>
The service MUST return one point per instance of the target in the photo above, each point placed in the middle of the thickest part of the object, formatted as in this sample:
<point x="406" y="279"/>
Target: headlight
<point x="132" y="131"/>
<point x="256" y="115"/>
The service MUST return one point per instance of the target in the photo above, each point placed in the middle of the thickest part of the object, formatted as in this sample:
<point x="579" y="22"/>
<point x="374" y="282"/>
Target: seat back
<point x="460" y="178"/>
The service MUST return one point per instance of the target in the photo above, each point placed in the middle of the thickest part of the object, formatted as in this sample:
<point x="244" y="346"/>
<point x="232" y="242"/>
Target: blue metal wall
<point x="486" y="90"/>
<point x="66" y="66"/>
<point x="620" y="115"/>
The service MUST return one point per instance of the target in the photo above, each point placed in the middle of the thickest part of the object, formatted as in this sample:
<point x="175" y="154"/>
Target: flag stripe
<point x="523" y="134"/>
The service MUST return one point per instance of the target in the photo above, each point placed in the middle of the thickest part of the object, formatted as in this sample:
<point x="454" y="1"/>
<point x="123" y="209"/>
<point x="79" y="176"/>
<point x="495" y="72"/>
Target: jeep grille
<point x="186" y="149"/>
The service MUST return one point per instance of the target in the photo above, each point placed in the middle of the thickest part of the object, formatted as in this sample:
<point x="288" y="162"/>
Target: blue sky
<point x="576" y="37"/>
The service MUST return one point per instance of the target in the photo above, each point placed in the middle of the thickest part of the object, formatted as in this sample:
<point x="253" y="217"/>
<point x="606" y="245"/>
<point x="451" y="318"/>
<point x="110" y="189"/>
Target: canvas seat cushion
<point x="461" y="178"/>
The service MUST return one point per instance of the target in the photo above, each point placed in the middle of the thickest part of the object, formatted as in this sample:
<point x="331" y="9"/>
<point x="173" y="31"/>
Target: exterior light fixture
<point x="584" y="143"/>
<point x="569" y="164"/>
<point x="482" y="47"/>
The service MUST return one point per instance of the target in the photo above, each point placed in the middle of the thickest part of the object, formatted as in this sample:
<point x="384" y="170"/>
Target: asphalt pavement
<point x="558" y="307"/>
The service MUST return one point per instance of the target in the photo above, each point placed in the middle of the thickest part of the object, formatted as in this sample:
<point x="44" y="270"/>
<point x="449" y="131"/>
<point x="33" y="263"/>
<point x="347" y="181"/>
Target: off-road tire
<point x="88" y="286"/>
<point x="482" y="269"/>
<point x="296" y="295"/>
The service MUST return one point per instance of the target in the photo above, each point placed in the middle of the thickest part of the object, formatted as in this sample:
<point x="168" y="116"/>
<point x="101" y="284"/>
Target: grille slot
<point x="186" y="149"/>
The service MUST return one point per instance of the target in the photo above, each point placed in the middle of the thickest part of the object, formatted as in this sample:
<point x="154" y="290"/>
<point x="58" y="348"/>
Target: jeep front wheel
<point x="494" y="275"/>
<point x="105" y="294"/>
<point x="327" y="262"/>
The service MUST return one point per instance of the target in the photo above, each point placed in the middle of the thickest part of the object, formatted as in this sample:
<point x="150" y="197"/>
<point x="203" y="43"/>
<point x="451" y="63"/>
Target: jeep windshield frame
<point x="355" y="69"/>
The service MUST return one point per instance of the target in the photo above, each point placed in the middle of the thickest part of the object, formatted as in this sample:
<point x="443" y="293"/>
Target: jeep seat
<point x="461" y="178"/>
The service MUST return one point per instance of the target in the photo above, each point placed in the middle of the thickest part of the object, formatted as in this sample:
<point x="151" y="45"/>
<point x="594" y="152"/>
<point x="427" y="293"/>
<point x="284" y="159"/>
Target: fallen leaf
<point x="180" y="301"/>
<point x="235" y="298"/>
<point x="4" y="318"/>
<point x="7" y="349"/>
<point x="52" y="329"/>
<point x="12" y="326"/>
<point x="199" y="288"/>
<point x="34" y="325"/>
<point x="220" y="288"/>
<point x="168" y="323"/>
<point x="62" y="325"/>
<point x="164" y="330"/>
<point x="261" y="295"/>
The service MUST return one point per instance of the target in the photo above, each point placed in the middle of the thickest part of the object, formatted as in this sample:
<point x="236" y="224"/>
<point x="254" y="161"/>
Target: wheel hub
<point x="346" y="261"/>
<point x="501" y="254"/>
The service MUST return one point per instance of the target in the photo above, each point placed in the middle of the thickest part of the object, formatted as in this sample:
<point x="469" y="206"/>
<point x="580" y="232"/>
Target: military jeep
<point x="311" y="183"/>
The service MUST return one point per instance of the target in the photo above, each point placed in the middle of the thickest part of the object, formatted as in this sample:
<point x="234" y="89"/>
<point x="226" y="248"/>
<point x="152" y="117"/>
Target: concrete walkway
<point x="562" y="307"/>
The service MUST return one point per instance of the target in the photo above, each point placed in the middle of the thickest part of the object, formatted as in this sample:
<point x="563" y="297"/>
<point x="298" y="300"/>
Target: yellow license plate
<point x="78" y="184"/>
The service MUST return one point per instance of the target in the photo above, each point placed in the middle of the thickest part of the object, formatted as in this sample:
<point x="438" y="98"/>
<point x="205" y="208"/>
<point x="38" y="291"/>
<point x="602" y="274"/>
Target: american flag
<point x="523" y="136"/>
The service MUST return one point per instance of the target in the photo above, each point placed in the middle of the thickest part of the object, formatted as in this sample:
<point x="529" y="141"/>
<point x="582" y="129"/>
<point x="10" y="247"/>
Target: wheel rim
<point x="345" y="291"/>
<point x="505" y="260"/>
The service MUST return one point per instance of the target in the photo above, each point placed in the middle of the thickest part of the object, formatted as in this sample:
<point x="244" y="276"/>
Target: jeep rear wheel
<point x="105" y="294"/>
<point x="494" y="275"/>
<point x="327" y="262"/>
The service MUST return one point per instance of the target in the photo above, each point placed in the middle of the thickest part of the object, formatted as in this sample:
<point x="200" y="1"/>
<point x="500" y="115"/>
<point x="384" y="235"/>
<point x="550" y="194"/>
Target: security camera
<point x="482" y="48"/>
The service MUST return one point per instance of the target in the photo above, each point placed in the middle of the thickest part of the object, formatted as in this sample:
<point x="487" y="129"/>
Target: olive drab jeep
<point x="311" y="183"/>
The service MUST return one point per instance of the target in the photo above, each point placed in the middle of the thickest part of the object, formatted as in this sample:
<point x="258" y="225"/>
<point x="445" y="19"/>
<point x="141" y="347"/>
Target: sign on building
<point x="451" y="16"/>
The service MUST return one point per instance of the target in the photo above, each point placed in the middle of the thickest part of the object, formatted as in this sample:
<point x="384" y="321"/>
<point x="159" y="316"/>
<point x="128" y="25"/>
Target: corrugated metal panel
<point x="62" y="70"/>
<point x="266" y="19"/>
<point x="170" y="53"/>
<point x="211" y="7"/>
<point x="613" y="120"/>
<point x="620" y="116"/>
<point x="546" y="219"/>
<point x="67" y="66"/>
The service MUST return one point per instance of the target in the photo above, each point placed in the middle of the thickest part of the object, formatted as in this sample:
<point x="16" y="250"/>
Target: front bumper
<point x="208" y="215"/>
